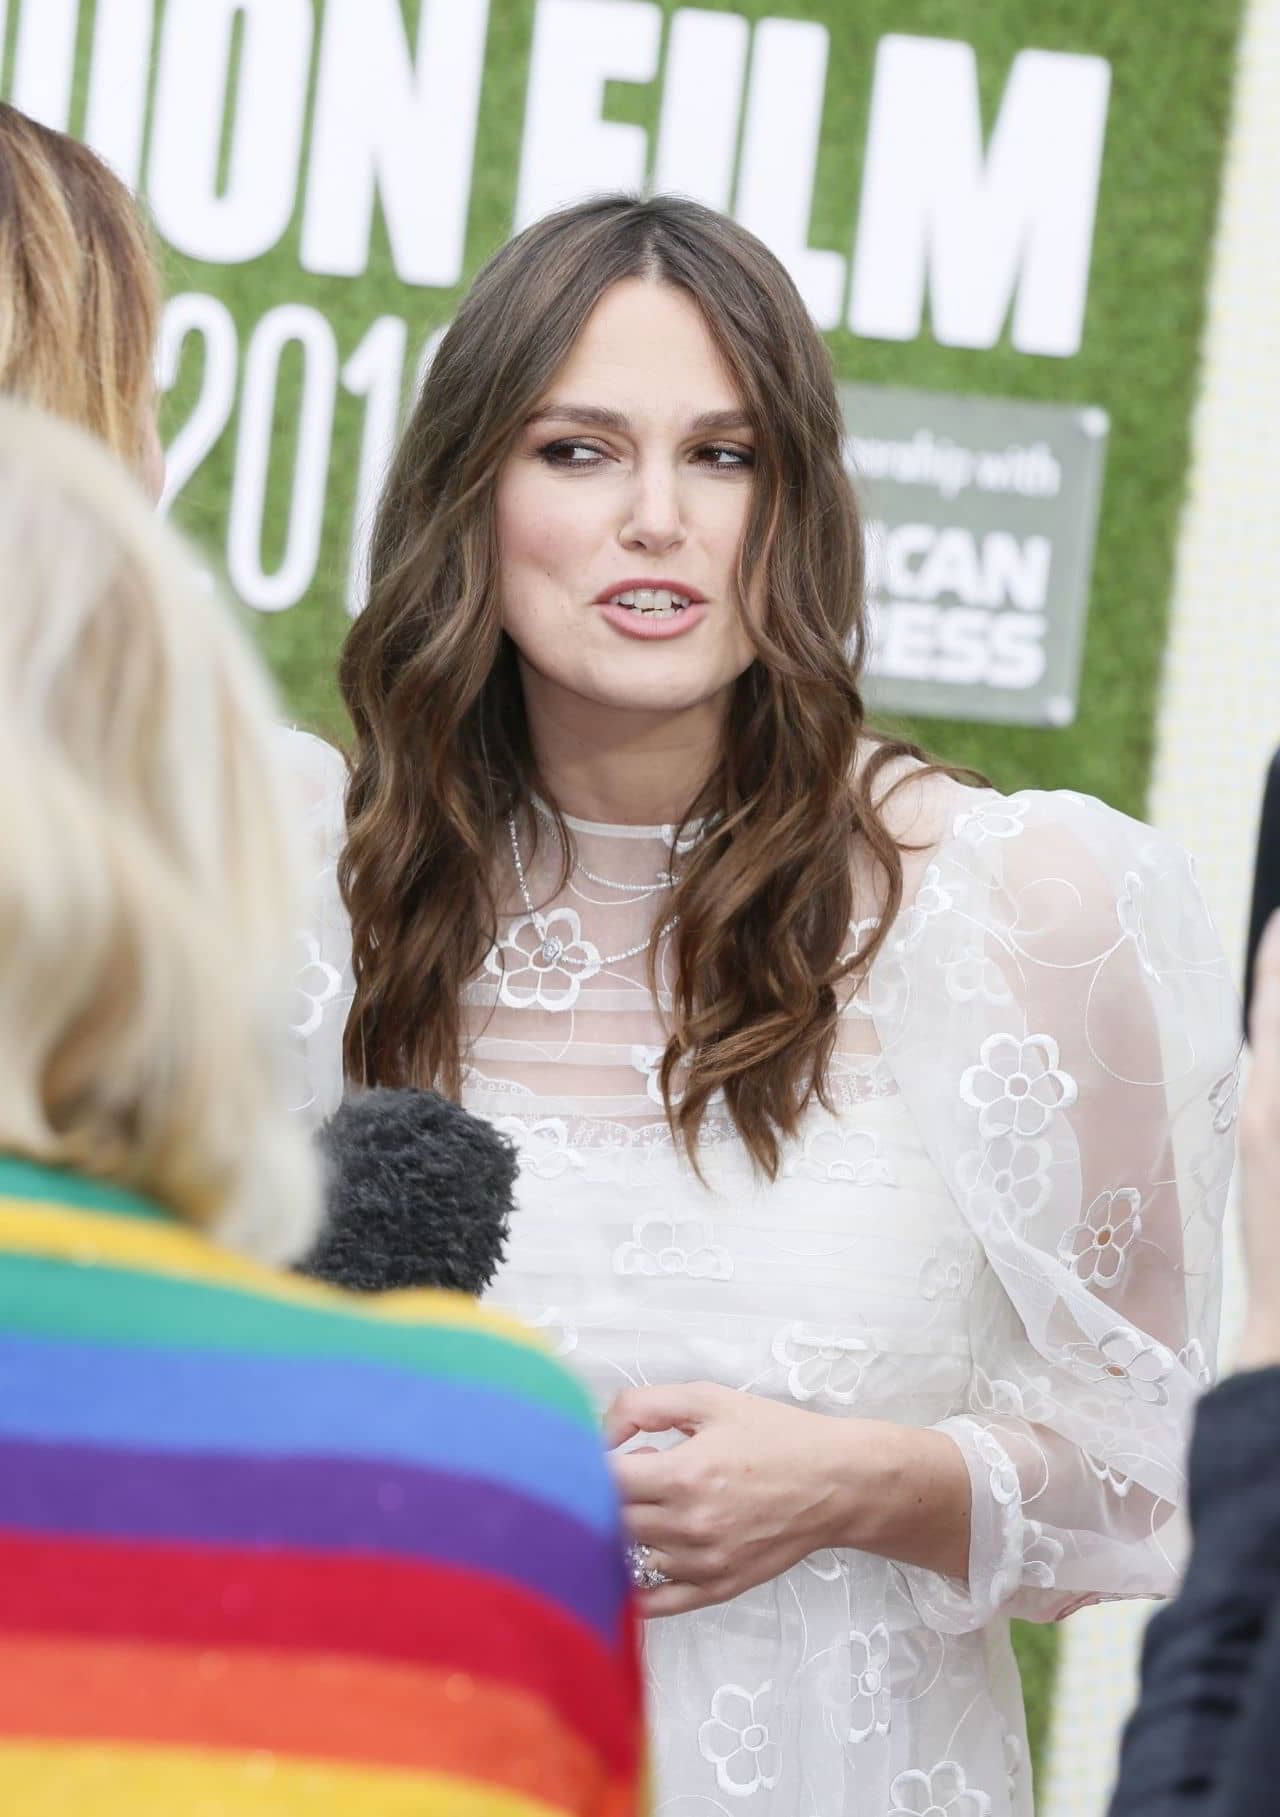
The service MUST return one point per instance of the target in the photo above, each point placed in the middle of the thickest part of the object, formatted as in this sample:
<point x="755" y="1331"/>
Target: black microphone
<point x="418" y="1191"/>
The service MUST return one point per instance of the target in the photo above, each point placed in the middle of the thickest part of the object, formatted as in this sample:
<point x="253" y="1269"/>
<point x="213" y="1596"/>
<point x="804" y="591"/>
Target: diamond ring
<point x="644" y="1575"/>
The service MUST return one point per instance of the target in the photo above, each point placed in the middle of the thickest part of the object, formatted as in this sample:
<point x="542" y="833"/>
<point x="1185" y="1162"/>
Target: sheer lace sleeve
<point x="317" y="776"/>
<point x="1059" y="1017"/>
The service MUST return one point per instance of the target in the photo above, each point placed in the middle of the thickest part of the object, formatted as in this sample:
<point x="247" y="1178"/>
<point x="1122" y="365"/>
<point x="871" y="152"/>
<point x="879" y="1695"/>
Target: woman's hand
<point x="1260" y="1160"/>
<point x="759" y="1485"/>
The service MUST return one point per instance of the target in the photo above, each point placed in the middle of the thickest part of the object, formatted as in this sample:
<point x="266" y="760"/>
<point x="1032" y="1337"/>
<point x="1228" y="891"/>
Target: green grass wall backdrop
<point x="1171" y="67"/>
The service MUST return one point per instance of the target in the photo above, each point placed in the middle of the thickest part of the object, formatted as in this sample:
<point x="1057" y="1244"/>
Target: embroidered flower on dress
<point x="317" y="983"/>
<point x="694" y="835"/>
<point x="1041" y="1556"/>
<point x="1194" y="1361"/>
<point x="838" y="1152"/>
<point x="736" y="1739"/>
<point x="868" y="1683"/>
<point x="1017" y="1088"/>
<point x="1126" y="1363"/>
<point x="821" y="1361"/>
<point x="974" y="977"/>
<point x="542" y="1145"/>
<point x="1002" y="1478"/>
<point x="648" y="1060"/>
<point x="930" y="899"/>
<point x="825" y="1565"/>
<point x="1224" y="1099"/>
<point x="1132" y="922"/>
<point x="944" y="1792"/>
<point x="859" y="933"/>
<point x="561" y="1333"/>
<point x="1107" y="1474"/>
<point x="673" y="1246"/>
<point x="993" y="820"/>
<point x="1013" y="1759"/>
<point x="1096" y="1250"/>
<point x="949" y="1272"/>
<point x="1005" y="1182"/>
<point x="1008" y="1400"/>
<point x="879" y="991"/>
<point x="543" y="960"/>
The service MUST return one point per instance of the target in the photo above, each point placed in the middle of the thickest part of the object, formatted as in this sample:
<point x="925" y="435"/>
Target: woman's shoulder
<point x="931" y="813"/>
<point x="973" y="854"/>
<point x="1064" y="833"/>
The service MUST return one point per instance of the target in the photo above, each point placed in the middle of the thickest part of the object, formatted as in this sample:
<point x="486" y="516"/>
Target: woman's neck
<point x="624" y="769"/>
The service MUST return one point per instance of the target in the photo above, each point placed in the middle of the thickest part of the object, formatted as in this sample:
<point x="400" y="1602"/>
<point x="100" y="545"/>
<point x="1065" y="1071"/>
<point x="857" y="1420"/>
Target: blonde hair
<point x="79" y="288"/>
<point x="146" y="877"/>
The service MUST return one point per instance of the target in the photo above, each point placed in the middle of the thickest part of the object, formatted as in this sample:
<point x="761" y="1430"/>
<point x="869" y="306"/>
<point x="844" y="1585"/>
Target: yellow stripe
<point x="90" y="1238"/>
<point x="71" y="1780"/>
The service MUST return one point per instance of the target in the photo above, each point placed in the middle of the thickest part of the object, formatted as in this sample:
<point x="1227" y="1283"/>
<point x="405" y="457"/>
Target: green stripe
<point x="45" y="1297"/>
<point x="62" y="1186"/>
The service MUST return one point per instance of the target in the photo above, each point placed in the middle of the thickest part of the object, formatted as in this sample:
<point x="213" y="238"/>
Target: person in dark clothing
<point x="1204" y="1740"/>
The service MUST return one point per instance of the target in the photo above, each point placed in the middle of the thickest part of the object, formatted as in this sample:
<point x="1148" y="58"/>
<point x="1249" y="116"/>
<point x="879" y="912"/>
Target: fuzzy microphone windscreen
<point x="418" y="1191"/>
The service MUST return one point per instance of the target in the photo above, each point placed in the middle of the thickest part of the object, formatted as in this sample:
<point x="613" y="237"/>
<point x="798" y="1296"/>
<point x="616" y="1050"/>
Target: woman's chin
<point x="668" y="697"/>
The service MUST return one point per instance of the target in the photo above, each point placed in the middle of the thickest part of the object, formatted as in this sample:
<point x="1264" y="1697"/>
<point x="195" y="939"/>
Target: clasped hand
<point x="755" y="1487"/>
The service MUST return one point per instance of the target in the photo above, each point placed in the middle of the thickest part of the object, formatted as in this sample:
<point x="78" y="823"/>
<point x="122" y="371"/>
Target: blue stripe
<point x="188" y="1400"/>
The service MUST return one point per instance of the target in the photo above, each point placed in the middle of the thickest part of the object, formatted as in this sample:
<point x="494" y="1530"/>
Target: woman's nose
<point x="653" y="518"/>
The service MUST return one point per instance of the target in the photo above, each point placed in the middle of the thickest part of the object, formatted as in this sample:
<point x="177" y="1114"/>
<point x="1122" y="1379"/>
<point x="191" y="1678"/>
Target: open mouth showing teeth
<point x="651" y="602"/>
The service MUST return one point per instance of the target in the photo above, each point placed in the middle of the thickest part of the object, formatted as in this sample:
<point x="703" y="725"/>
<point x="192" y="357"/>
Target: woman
<point x="874" y="1126"/>
<point x="80" y="299"/>
<point x="79" y="292"/>
<point x="262" y="1545"/>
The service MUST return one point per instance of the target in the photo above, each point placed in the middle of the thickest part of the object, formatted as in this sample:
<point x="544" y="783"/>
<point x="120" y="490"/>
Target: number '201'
<point x="374" y="372"/>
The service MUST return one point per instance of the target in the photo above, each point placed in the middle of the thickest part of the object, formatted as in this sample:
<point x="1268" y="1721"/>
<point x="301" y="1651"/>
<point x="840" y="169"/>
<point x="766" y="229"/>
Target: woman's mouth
<point x="651" y="611"/>
<point x="640" y="611"/>
<point x="653" y="602"/>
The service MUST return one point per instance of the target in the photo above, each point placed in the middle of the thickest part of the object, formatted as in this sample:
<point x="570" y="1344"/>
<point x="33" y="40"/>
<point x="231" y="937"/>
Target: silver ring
<point x="644" y="1575"/>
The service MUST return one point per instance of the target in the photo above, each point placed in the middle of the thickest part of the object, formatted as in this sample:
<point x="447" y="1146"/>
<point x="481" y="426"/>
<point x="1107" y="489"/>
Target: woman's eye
<point x="571" y="454"/>
<point x="727" y="460"/>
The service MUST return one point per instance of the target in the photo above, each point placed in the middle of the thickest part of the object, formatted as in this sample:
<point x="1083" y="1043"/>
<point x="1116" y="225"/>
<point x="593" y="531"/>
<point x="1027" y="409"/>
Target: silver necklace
<point x="641" y="891"/>
<point x="552" y="947"/>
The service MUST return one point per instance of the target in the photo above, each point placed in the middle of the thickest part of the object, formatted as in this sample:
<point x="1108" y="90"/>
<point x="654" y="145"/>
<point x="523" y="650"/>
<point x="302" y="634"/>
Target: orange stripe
<point x="327" y="1706"/>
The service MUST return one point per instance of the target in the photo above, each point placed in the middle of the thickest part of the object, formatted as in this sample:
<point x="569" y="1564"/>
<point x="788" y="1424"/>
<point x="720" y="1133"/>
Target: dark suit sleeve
<point x="1202" y="1708"/>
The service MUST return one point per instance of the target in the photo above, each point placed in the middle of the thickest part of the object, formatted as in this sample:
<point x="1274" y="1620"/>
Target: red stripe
<point x="430" y="1615"/>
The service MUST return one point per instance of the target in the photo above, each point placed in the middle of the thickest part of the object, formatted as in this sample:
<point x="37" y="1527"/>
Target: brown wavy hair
<point x="79" y="286"/>
<point x="442" y="751"/>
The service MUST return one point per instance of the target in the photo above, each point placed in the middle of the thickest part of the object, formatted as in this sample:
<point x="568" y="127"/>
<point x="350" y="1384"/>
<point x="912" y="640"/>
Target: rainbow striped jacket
<point x="266" y="1548"/>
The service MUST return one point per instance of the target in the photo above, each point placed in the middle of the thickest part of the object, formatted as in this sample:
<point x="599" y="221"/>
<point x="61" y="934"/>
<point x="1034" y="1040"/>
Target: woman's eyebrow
<point x="710" y="422"/>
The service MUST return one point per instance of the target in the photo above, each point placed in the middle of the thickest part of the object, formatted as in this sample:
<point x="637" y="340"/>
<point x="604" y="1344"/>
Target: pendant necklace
<point x="552" y="947"/>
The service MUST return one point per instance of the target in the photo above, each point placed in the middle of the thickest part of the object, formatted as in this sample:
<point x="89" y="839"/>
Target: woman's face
<point x="620" y="514"/>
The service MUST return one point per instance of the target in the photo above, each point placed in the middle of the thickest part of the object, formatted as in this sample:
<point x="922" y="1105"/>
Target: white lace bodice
<point x="1006" y="1226"/>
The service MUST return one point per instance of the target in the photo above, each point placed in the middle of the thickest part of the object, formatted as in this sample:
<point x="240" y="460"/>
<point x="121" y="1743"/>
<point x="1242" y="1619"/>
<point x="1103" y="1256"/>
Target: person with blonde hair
<point x="263" y="1545"/>
<point x="79" y="291"/>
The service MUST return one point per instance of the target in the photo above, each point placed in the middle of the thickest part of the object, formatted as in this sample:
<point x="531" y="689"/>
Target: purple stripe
<point x="314" y="1504"/>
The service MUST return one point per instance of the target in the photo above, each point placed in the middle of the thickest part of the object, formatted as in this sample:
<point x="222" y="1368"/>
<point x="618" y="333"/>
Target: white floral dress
<point x="1006" y="1228"/>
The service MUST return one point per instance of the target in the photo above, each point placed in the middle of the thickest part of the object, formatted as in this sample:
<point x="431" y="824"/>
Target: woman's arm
<point x="761" y="1485"/>
<point x="1062" y="1026"/>
<point x="1057" y="1014"/>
